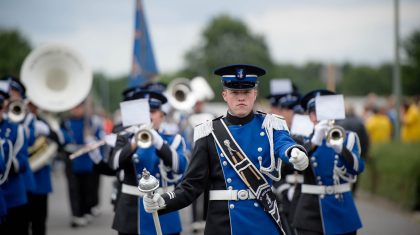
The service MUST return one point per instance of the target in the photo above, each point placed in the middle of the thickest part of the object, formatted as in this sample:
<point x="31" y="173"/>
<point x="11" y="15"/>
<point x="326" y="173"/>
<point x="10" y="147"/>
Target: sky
<point x="329" y="31"/>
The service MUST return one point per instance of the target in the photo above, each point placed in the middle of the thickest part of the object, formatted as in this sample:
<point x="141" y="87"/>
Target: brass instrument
<point x="336" y="134"/>
<point x="56" y="79"/>
<point x="180" y="95"/>
<point x="143" y="138"/>
<point x="17" y="111"/>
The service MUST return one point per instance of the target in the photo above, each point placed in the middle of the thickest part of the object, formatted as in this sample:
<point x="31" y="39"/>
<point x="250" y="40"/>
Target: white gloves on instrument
<point x="299" y="159"/>
<point x="157" y="139"/>
<point x="154" y="203"/>
<point x="337" y="146"/>
<point x="320" y="131"/>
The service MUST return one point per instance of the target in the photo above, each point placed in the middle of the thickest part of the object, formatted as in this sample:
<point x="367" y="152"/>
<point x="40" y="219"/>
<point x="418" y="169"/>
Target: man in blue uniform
<point x="165" y="159"/>
<point x="15" y="151"/>
<point x="326" y="203"/>
<point x="37" y="181"/>
<point x="238" y="156"/>
<point x="83" y="181"/>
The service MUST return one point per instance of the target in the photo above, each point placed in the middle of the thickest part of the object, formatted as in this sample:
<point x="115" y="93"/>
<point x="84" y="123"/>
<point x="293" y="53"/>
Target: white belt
<point x="224" y="195"/>
<point x="133" y="190"/>
<point x="294" y="179"/>
<point x="322" y="189"/>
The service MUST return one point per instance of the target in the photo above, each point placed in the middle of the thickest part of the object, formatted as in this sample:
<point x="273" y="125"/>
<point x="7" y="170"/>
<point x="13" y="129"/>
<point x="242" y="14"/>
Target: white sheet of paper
<point x="280" y="86"/>
<point x="135" y="112"/>
<point x="111" y="139"/>
<point x="5" y="86"/>
<point x="301" y="125"/>
<point x="330" y="107"/>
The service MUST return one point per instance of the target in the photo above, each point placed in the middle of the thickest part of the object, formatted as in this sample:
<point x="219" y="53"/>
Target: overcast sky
<point x="358" y="31"/>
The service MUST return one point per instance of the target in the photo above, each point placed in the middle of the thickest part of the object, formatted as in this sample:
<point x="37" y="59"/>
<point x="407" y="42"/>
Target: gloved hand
<point x="154" y="203"/>
<point x="336" y="145"/>
<point x="96" y="156"/>
<point x="125" y="145"/>
<point x="41" y="128"/>
<point x="157" y="139"/>
<point x="299" y="159"/>
<point x="320" y="130"/>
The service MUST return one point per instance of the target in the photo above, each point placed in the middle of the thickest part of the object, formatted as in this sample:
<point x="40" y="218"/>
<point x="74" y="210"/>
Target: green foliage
<point x="14" y="47"/>
<point x="363" y="79"/>
<point x="392" y="172"/>
<point x="411" y="71"/>
<point x="226" y="41"/>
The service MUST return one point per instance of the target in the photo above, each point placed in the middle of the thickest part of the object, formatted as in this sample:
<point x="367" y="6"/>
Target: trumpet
<point x="17" y="111"/>
<point x="336" y="134"/>
<point x="143" y="138"/>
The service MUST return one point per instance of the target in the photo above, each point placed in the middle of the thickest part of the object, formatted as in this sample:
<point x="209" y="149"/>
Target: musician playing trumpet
<point x="326" y="203"/>
<point x="164" y="159"/>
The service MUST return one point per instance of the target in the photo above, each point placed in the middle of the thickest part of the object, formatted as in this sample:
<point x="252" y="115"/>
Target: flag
<point x="143" y="63"/>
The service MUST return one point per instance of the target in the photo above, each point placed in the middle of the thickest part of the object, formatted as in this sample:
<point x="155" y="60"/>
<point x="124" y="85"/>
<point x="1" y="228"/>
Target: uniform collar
<point x="233" y="120"/>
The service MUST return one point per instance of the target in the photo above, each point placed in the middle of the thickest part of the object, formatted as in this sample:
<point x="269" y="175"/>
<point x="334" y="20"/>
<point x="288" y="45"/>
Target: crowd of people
<point x="285" y="171"/>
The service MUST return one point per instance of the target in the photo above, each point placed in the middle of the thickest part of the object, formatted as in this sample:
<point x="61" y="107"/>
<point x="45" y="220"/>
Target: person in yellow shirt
<point x="410" y="120"/>
<point x="379" y="126"/>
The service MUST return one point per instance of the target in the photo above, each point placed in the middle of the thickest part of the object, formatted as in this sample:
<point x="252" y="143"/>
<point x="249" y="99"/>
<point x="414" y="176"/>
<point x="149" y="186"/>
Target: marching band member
<point x="238" y="156"/>
<point x="41" y="154"/>
<point x="285" y="101"/>
<point x="13" y="146"/>
<point x="83" y="180"/>
<point x="165" y="159"/>
<point x="326" y="203"/>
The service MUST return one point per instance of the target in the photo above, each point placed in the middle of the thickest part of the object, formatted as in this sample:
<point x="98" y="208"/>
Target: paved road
<point x="378" y="216"/>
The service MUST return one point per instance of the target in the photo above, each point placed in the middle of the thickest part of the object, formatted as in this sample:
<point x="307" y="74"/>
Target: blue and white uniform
<point x="230" y="211"/>
<point x="332" y="211"/>
<point x="166" y="164"/>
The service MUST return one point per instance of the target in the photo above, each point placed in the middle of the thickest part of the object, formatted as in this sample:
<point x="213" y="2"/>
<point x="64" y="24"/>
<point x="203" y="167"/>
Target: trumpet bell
<point x="17" y="111"/>
<point x="180" y="95"/>
<point x="56" y="77"/>
<point x="336" y="135"/>
<point x="144" y="138"/>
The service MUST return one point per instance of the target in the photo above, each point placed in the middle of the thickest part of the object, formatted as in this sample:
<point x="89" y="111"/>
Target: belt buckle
<point x="329" y="189"/>
<point x="243" y="194"/>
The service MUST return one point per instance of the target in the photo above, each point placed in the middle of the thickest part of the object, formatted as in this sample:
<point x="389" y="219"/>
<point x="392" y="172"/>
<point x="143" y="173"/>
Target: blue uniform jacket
<point x="148" y="158"/>
<point x="336" y="213"/>
<point x="209" y="169"/>
<point x="14" y="146"/>
<point x="29" y="127"/>
<point x="167" y="165"/>
<point x="74" y="128"/>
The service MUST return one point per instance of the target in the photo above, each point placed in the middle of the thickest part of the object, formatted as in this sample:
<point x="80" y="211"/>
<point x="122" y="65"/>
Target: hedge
<point x="393" y="171"/>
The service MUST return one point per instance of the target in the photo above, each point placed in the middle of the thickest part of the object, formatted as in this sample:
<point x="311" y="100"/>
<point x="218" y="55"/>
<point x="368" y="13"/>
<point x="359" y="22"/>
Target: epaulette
<point x="275" y="122"/>
<point x="203" y="129"/>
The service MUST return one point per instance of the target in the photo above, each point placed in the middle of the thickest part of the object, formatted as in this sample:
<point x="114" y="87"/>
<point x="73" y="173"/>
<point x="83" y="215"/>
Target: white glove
<point x="157" y="139"/>
<point x="154" y="203"/>
<point x="41" y="128"/>
<point x="96" y="156"/>
<point x="320" y="131"/>
<point x="298" y="159"/>
<point x="337" y="146"/>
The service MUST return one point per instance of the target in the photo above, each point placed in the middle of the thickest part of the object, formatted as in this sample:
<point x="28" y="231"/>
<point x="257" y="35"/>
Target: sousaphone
<point x="57" y="79"/>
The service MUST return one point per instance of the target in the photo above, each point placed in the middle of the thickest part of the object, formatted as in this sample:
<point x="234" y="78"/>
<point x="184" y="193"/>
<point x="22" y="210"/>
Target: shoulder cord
<point x="9" y="161"/>
<point x="268" y="170"/>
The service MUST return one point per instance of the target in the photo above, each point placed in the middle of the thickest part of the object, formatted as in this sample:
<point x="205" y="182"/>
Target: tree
<point x="13" y="50"/>
<point x="411" y="70"/>
<point x="227" y="41"/>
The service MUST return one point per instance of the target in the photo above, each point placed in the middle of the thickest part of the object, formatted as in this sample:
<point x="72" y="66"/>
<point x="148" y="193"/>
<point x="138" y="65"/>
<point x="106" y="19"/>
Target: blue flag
<point x="143" y="65"/>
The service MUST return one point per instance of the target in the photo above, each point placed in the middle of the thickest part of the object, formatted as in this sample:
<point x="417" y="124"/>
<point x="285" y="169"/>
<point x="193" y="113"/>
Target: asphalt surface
<point x="378" y="215"/>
